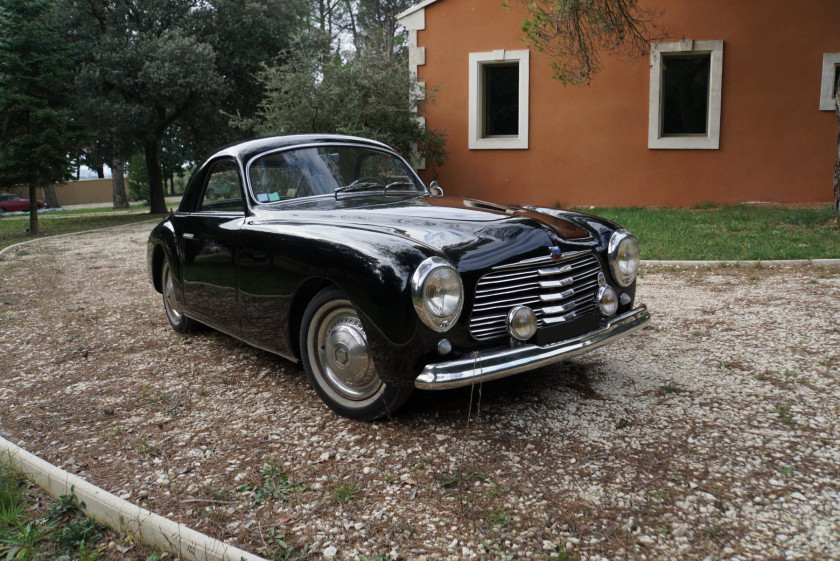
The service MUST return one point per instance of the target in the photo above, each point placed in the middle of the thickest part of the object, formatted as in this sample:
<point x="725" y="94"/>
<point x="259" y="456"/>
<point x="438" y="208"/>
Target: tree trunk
<point x="100" y="171"/>
<point x="118" y="183"/>
<point x="157" y="202"/>
<point x="33" y="211"/>
<point x="49" y="196"/>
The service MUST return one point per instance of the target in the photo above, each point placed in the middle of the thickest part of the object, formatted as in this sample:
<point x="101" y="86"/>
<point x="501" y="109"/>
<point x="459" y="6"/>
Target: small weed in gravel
<point x="458" y="479"/>
<point x="669" y="389"/>
<point x="784" y="414"/>
<point x="278" y="548"/>
<point x="275" y="485"/>
<point x="345" y="492"/>
<point x="786" y="470"/>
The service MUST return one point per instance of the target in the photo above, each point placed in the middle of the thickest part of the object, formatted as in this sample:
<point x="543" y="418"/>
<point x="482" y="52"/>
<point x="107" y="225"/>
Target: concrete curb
<point x="122" y="516"/>
<point x="33" y="240"/>
<point x="757" y="263"/>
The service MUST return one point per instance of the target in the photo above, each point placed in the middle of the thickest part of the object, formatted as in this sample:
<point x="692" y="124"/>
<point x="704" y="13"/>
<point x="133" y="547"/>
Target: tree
<point x="375" y="26"/>
<point x="181" y="63"/>
<point x="35" y="117"/>
<point x="575" y="32"/>
<point x="364" y="95"/>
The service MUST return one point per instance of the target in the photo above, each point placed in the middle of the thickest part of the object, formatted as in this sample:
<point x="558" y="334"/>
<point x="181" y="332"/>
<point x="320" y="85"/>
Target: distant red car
<point x="13" y="203"/>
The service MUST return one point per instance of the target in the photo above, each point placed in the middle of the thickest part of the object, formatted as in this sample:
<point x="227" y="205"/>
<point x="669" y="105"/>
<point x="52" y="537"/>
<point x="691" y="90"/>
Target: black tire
<point x="337" y="361"/>
<point x="174" y="311"/>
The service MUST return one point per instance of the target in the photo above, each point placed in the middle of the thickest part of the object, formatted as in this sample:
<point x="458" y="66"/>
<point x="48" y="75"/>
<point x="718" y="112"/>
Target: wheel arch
<point x="301" y="300"/>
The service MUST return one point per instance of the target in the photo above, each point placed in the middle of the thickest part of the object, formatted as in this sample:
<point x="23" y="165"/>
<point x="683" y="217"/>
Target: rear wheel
<point x="174" y="310"/>
<point x="337" y="360"/>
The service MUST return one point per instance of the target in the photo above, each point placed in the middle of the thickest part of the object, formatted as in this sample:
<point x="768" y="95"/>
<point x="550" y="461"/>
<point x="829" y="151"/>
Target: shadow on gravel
<point x="537" y="387"/>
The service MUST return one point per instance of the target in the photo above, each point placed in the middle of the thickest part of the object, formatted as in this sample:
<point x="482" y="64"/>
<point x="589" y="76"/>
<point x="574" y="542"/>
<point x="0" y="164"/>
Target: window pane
<point x="501" y="99"/>
<point x="685" y="94"/>
<point x="305" y="172"/>
<point x="836" y="79"/>
<point x="222" y="191"/>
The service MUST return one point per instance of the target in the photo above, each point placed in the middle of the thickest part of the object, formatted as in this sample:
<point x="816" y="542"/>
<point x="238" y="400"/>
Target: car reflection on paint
<point x="331" y="251"/>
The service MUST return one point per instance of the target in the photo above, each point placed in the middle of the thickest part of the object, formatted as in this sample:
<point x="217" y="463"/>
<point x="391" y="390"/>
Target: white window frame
<point x="512" y="142"/>
<point x="708" y="141"/>
<point x="830" y="63"/>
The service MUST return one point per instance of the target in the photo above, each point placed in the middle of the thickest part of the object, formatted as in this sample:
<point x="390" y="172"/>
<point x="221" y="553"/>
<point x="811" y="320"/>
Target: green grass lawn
<point x="725" y="233"/>
<point x="103" y="208"/>
<point x="13" y="229"/>
<point x="731" y="232"/>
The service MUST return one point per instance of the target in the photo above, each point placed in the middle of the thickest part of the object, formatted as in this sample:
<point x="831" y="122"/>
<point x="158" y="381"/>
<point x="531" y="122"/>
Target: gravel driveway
<point x="714" y="434"/>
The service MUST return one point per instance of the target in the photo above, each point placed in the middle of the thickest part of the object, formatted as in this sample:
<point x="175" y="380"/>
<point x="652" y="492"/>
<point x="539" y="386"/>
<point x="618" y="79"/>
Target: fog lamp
<point x="607" y="300"/>
<point x="522" y="323"/>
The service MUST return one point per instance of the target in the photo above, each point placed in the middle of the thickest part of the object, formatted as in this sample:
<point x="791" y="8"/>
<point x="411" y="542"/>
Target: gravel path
<point x="714" y="434"/>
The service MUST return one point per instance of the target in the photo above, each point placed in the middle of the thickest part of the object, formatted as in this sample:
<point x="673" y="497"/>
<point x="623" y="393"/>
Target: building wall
<point x="588" y="145"/>
<point x="86" y="191"/>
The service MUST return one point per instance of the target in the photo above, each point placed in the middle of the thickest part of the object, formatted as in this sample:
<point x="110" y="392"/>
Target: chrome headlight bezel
<point x="418" y="286"/>
<point x="617" y="244"/>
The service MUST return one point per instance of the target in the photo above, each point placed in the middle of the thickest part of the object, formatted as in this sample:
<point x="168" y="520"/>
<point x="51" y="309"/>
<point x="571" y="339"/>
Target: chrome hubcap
<point x="169" y="297"/>
<point x="343" y="356"/>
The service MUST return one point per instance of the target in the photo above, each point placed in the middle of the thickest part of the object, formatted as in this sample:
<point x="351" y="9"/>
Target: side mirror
<point x="435" y="189"/>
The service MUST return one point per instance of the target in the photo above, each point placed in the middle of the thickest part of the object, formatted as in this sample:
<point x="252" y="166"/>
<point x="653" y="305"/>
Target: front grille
<point x="558" y="292"/>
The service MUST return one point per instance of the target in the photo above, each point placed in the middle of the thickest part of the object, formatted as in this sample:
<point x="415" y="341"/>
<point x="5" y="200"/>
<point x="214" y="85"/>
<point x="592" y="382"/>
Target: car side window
<point x="223" y="190"/>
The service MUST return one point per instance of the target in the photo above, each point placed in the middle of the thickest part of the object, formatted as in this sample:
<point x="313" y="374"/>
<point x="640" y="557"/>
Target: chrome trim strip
<point x="491" y="365"/>
<point x="557" y="283"/>
<point x="538" y="260"/>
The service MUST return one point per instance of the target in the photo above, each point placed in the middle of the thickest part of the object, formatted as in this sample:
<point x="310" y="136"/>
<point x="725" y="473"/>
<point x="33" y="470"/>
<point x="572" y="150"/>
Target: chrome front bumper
<point x="481" y="367"/>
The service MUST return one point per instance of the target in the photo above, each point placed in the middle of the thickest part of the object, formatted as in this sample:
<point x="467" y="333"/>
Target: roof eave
<point x="415" y="8"/>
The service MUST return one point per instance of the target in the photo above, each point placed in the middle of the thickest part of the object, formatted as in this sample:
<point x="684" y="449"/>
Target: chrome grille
<point x="557" y="292"/>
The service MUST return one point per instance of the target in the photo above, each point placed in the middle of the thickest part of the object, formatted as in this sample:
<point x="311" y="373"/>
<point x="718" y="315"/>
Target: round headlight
<point x="607" y="300"/>
<point x="623" y="254"/>
<point x="522" y="323"/>
<point x="437" y="293"/>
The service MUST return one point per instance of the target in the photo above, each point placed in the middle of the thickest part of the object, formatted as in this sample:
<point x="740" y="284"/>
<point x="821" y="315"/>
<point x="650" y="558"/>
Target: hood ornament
<point x="556" y="253"/>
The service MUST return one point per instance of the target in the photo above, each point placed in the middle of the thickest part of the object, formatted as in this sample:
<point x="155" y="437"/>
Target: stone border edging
<point x="122" y="516"/>
<point x="757" y="262"/>
<point x="38" y="239"/>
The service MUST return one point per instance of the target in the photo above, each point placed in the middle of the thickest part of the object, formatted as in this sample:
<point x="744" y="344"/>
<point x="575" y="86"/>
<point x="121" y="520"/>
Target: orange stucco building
<point x="757" y="124"/>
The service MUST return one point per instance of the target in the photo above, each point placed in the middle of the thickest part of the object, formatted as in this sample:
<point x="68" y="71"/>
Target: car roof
<point x="246" y="150"/>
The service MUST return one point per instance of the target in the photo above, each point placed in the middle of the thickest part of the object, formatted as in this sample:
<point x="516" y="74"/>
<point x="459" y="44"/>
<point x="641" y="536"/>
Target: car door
<point x="209" y="244"/>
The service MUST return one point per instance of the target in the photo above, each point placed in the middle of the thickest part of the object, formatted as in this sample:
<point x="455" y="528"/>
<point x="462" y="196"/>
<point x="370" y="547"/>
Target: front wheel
<point x="338" y="362"/>
<point x="174" y="310"/>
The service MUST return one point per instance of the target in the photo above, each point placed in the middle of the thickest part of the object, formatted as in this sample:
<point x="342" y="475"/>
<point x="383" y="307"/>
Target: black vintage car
<point x="330" y="250"/>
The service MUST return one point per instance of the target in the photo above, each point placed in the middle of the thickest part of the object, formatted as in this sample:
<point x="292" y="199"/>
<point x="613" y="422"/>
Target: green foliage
<point x="79" y="532"/>
<point x="279" y="548"/>
<point x="12" y="496"/>
<point x="162" y="75"/>
<point x="63" y="506"/>
<point x="35" y="102"/>
<point x="138" y="178"/>
<point x="574" y="33"/>
<point x="64" y="529"/>
<point x="34" y="115"/>
<point x="364" y="95"/>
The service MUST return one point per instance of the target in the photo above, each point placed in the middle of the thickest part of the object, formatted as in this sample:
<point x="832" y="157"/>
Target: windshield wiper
<point x="356" y="186"/>
<point x="395" y="183"/>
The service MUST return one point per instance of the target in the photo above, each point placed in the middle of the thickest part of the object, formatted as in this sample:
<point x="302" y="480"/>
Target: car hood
<point x="471" y="234"/>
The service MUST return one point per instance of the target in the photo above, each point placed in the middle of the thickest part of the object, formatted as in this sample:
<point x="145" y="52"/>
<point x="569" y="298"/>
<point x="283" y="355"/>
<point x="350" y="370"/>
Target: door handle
<point x="189" y="236"/>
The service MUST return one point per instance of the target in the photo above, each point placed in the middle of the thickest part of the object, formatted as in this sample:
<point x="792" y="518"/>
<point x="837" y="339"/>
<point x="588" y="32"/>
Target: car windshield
<point x="322" y="170"/>
<point x="7" y="197"/>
